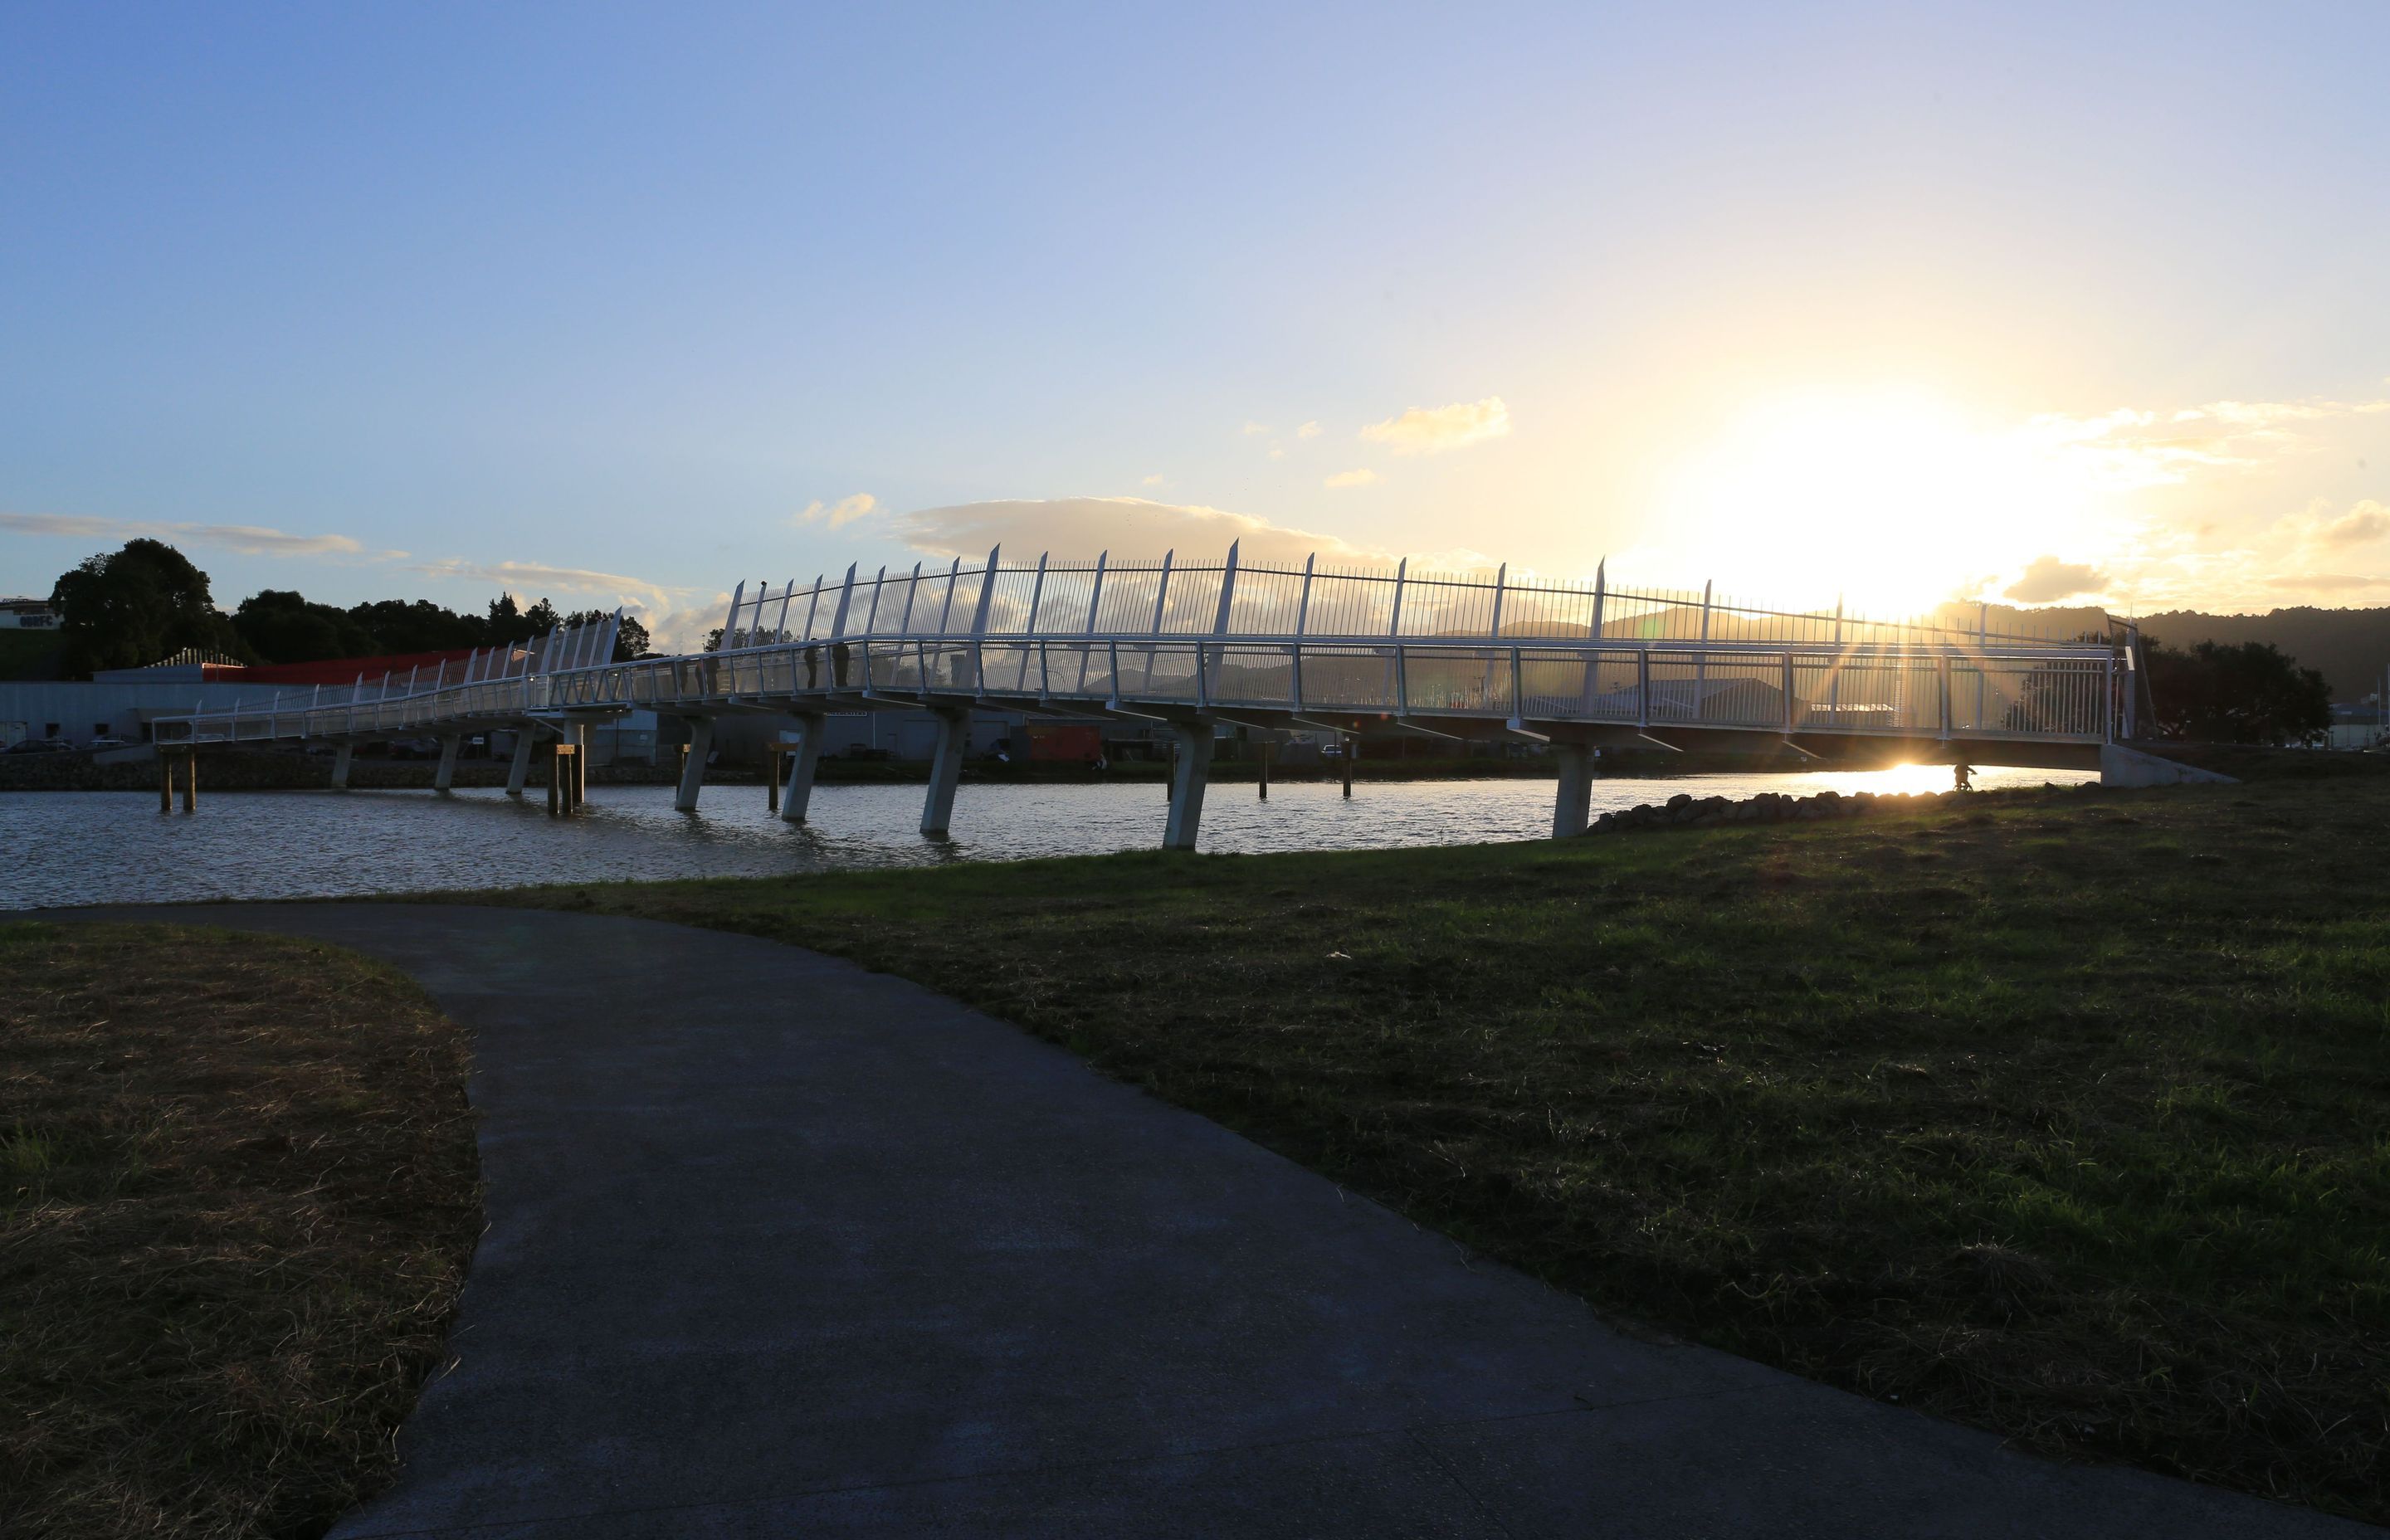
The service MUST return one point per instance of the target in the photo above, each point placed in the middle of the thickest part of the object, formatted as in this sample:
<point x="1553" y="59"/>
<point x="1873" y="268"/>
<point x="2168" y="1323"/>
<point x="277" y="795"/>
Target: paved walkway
<point x="777" y="1247"/>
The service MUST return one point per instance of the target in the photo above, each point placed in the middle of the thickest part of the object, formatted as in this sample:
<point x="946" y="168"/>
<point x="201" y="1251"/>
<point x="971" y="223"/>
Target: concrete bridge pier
<point x="1187" y="787"/>
<point x="446" y="777"/>
<point x="1573" y="809"/>
<point x="945" y="771"/>
<point x="340" y="758"/>
<point x="801" y="760"/>
<point x="518" y="771"/>
<point x="692" y="767"/>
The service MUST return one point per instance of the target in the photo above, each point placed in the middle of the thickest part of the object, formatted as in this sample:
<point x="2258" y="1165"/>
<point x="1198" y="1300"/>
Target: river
<point x="108" y="847"/>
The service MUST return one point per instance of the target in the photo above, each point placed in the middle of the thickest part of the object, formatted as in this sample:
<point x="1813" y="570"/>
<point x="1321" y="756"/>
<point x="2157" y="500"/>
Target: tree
<point x="2253" y="693"/>
<point x="397" y="625"/>
<point x="137" y="606"/>
<point x="507" y="623"/>
<point x="540" y="619"/>
<point x="281" y="627"/>
<point x="713" y="640"/>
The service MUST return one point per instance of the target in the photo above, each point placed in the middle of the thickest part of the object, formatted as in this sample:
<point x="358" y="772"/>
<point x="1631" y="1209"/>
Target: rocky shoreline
<point x="1687" y="811"/>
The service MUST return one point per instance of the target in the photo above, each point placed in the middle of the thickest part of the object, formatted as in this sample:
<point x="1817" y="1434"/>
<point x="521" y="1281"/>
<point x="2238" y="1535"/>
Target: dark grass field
<point x="2061" y="1113"/>
<point x="238" y="1191"/>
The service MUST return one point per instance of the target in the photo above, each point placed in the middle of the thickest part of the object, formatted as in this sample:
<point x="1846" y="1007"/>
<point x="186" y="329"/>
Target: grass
<point x="238" y="1190"/>
<point x="2061" y="1113"/>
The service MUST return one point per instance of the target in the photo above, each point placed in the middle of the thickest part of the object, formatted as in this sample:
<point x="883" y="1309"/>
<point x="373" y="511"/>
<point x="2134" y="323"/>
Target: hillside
<point x="2350" y="647"/>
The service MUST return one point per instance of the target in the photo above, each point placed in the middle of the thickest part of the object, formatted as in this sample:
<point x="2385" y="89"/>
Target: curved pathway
<point x="779" y="1247"/>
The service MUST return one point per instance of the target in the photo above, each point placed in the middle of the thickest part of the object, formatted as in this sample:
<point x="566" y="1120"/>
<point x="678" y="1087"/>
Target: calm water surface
<point x="108" y="847"/>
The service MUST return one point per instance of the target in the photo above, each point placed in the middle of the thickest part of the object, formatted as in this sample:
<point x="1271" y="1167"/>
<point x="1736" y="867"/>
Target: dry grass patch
<point x="237" y="1192"/>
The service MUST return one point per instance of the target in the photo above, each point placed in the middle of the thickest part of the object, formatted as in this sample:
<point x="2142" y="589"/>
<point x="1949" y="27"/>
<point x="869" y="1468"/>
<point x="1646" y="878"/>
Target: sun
<point x="1894" y="500"/>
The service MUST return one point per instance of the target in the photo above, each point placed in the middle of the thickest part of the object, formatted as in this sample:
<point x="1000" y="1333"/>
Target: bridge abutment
<point x="1572" y="806"/>
<point x="446" y="777"/>
<point x="801" y="760"/>
<point x="692" y="768"/>
<point x="1195" y="741"/>
<point x="945" y="772"/>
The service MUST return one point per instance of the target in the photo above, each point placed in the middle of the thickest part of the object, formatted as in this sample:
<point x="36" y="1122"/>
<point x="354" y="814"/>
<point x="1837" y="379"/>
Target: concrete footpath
<point x="779" y="1247"/>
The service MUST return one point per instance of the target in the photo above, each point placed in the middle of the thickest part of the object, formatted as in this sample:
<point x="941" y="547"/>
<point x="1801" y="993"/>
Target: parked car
<point x="107" y="740"/>
<point x="41" y="745"/>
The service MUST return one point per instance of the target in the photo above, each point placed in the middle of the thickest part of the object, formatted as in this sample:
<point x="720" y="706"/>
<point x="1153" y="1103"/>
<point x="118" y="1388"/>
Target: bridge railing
<point x="2066" y="694"/>
<point x="1102" y="597"/>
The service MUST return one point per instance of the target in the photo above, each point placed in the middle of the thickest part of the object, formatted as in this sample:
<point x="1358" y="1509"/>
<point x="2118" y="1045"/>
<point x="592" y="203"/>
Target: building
<point x="23" y="613"/>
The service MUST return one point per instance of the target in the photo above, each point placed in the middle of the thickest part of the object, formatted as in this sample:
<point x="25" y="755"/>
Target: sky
<point x="627" y="305"/>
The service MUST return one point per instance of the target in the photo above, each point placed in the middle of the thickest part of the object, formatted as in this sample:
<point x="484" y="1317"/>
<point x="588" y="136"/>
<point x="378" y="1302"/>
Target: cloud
<point x="838" y="515"/>
<point x="2363" y="523"/>
<point x="1360" y="478"/>
<point x="1430" y="430"/>
<point x="1154" y="480"/>
<point x="2046" y="580"/>
<point x="246" y="539"/>
<point x="2128" y="449"/>
<point x="1254" y="429"/>
<point x="2326" y="583"/>
<point x="1309" y="430"/>
<point x="539" y="578"/>
<point x="1134" y="527"/>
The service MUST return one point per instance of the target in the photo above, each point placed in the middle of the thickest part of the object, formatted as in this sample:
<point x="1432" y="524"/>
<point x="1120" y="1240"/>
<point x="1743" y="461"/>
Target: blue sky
<point x="599" y="302"/>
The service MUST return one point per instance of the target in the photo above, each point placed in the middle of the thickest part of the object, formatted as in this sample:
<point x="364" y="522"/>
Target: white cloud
<point x="2047" y="579"/>
<point x="1429" y="430"/>
<point x="1277" y="454"/>
<point x="1078" y="527"/>
<point x="1254" y="430"/>
<point x="838" y="515"/>
<point x="537" y="578"/>
<point x="1154" y="480"/>
<point x="2362" y="524"/>
<point x="1309" y="430"/>
<point x="246" y="539"/>
<point x="1360" y="478"/>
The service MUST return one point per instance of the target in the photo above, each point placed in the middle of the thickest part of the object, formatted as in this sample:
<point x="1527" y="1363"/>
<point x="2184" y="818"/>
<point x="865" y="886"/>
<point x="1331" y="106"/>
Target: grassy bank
<point x="2059" y="1113"/>
<point x="238" y="1191"/>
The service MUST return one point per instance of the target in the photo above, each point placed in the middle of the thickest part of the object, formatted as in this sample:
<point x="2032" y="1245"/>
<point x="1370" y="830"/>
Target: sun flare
<point x="1893" y="501"/>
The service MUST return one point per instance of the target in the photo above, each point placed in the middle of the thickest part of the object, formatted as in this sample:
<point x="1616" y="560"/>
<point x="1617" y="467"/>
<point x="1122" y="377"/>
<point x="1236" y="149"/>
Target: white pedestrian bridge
<point x="1572" y="666"/>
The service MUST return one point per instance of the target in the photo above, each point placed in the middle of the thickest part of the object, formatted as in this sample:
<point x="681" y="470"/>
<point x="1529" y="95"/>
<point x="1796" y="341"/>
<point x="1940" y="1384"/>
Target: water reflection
<point x="101" y="847"/>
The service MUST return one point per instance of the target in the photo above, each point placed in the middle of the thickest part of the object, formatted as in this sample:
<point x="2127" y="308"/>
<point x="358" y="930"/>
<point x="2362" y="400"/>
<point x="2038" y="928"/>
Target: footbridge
<point x="1572" y="666"/>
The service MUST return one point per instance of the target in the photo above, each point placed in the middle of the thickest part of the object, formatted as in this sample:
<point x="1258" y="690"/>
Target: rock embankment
<point x="1685" y="811"/>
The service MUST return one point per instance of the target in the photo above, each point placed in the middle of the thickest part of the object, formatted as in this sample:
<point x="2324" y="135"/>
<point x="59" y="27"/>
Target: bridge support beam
<point x="945" y="771"/>
<point x="1573" y="807"/>
<point x="518" y="771"/>
<point x="692" y="768"/>
<point x="801" y="758"/>
<point x="446" y="777"/>
<point x="1187" y="787"/>
<point x="341" y="756"/>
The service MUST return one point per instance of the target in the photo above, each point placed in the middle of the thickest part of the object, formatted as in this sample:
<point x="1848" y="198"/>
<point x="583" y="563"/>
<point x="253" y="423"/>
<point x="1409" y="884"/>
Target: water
<point x="108" y="847"/>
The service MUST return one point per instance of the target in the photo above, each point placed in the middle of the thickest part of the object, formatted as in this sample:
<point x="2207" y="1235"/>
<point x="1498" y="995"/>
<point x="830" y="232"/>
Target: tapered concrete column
<point x="446" y="777"/>
<point x="519" y="772"/>
<point x="1572" y="808"/>
<point x="340" y="758"/>
<point x="692" y="769"/>
<point x="1187" y="787"/>
<point x="802" y="759"/>
<point x="945" y="770"/>
<point x="583" y="733"/>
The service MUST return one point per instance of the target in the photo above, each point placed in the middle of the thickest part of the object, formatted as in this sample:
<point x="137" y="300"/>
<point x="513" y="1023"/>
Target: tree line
<point x="133" y="607"/>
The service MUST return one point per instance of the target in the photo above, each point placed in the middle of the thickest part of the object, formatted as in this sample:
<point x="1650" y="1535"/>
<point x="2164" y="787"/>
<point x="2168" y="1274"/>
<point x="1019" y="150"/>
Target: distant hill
<point x="2349" y="647"/>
